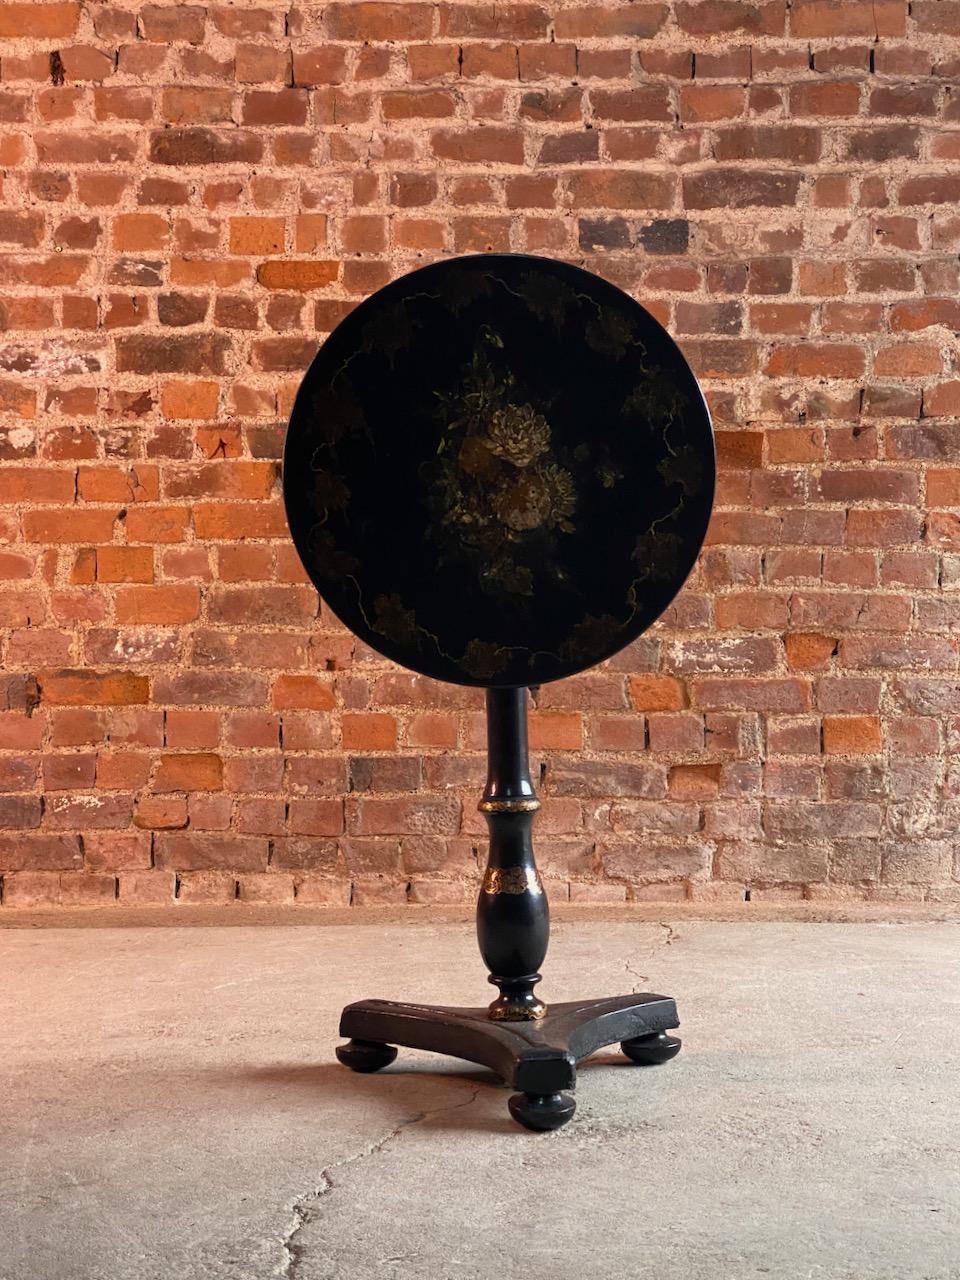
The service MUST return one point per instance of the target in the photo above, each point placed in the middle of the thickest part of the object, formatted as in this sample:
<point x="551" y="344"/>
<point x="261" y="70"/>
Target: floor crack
<point x="662" y="940"/>
<point x="640" y="977"/>
<point x="304" y="1208"/>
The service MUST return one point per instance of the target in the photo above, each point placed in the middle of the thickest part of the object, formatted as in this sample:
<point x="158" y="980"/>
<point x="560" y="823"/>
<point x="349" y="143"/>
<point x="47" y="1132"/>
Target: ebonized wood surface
<point x="499" y="470"/>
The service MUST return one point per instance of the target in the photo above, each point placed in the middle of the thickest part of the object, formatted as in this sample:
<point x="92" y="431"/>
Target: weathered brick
<point x="91" y="688"/>
<point x="185" y="851"/>
<point x="852" y="735"/>
<point x="189" y="772"/>
<point x="604" y="778"/>
<point x="831" y="819"/>
<point x="155" y="230"/>
<point x="645" y="864"/>
<point x="796" y="143"/>
<point x="740" y="188"/>
<point x="370" y="20"/>
<point x="725" y="17"/>
<point x="28" y="851"/>
<point x="299" y="275"/>
<point x="836" y="18"/>
<point x="166" y="604"/>
<point x="614" y="189"/>
<point x="416" y="817"/>
<point x="40" y="21"/>
<point x="172" y="353"/>
<point x="637" y="20"/>
<point x="198" y="146"/>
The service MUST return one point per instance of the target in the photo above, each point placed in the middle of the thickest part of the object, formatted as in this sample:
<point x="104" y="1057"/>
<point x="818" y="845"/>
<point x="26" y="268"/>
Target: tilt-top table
<point x="499" y="472"/>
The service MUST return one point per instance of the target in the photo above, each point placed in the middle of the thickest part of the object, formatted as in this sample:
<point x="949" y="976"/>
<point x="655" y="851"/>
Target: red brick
<point x="165" y="605"/>
<point x="647" y="102"/>
<point x="68" y="526"/>
<point x="613" y="189"/>
<point x="937" y="17"/>
<point x="325" y="64"/>
<point x="740" y="188"/>
<point x="28" y="852"/>
<point x="31" y="889"/>
<point x="124" y="564"/>
<point x="838" y="18"/>
<point x="795" y="143"/>
<point x="428" y="104"/>
<point x="254" y="480"/>
<point x="300" y="275"/>
<point x="275" y="107"/>
<point x="943" y="189"/>
<point x="182" y="23"/>
<point x="231" y="521"/>
<point x="40" y="21"/>
<point x="200" y="146"/>
<point x="874" y="484"/>
<point x="365" y="20"/>
<point x="827" y="360"/>
<point x="36" y="485"/>
<point x="703" y="103"/>
<point x="838" y="513"/>
<point x="908" y="360"/>
<point x="723" y="17"/>
<point x="190" y="399"/>
<point x="161" y="813"/>
<point x="637" y="20"/>
<point x="483" y="144"/>
<point x="189" y="772"/>
<point x="751" y="695"/>
<point x="656" y="693"/>
<point x="91" y="688"/>
<point x="172" y="353"/>
<point x="307" y="692"/>
<point x="942" y="400"/>
<point x="852" y="735"/>
<point x="369" y="731"/>
<point x="146" y="888"/>
<point x="414" y="816"/>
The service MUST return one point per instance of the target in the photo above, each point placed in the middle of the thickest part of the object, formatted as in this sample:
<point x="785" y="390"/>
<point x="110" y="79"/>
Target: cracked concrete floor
<point x="171" y="1109"/>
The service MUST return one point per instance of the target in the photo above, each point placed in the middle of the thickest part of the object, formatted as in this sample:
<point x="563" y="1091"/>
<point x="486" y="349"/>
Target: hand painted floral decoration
<point x="499" y="470"/>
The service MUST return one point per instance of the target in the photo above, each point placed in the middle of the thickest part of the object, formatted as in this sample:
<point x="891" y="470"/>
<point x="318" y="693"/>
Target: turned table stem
<point x="513" y="923"/>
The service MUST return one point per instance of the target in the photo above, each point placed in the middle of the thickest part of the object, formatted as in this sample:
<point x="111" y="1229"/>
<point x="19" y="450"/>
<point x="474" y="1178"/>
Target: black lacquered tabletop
<point x="499" y="470"/>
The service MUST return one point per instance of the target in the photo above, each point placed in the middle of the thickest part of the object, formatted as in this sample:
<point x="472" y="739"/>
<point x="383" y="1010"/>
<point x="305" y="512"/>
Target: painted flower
<point x="475" y="458"/>
<point x="683" y="467"/>
<point x="394" y="620"/>
<point x="495" y="478"/>
<point x="518" y="434"/>
<point x="332" y="562"/>
<point x="593" y="635"/>
<point x="524" y="503"/>
<point x="658" y="552"/>
<point x="563" y="496"/>
<point x="329" y="490"/>
<point x="483" y="659"/>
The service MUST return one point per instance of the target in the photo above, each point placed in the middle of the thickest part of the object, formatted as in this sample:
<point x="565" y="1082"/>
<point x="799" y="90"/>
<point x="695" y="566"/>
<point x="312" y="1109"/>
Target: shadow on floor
<point x="461" y="1097"/>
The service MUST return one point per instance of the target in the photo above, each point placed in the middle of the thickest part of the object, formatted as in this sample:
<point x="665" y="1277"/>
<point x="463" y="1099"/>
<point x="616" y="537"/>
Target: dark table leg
<point x="531" y="1047"/>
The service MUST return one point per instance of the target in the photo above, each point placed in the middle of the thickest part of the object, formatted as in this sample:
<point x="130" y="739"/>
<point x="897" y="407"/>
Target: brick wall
<point x="192" y="197"/>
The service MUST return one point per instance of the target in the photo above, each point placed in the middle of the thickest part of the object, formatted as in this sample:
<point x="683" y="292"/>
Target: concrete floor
<point x="170" y="1109"/>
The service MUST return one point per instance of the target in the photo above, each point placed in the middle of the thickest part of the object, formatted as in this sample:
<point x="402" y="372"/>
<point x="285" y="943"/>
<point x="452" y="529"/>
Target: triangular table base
<point x="537" y="1057"/>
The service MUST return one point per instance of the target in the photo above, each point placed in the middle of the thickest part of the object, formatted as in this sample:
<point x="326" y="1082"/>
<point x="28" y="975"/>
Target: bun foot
<point x="651" y="1050"/>
<point x="542" y="1111"/>
<point x="365" y="1055"/>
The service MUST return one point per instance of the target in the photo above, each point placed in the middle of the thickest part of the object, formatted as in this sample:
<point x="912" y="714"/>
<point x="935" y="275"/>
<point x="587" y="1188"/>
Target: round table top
<point x="499" y="470"/>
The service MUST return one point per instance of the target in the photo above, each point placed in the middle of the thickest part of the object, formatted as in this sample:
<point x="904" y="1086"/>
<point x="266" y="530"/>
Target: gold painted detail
<point x="521" y="804"/>
<point x="518" y="1013"/>
<point x="512" y="880"/>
